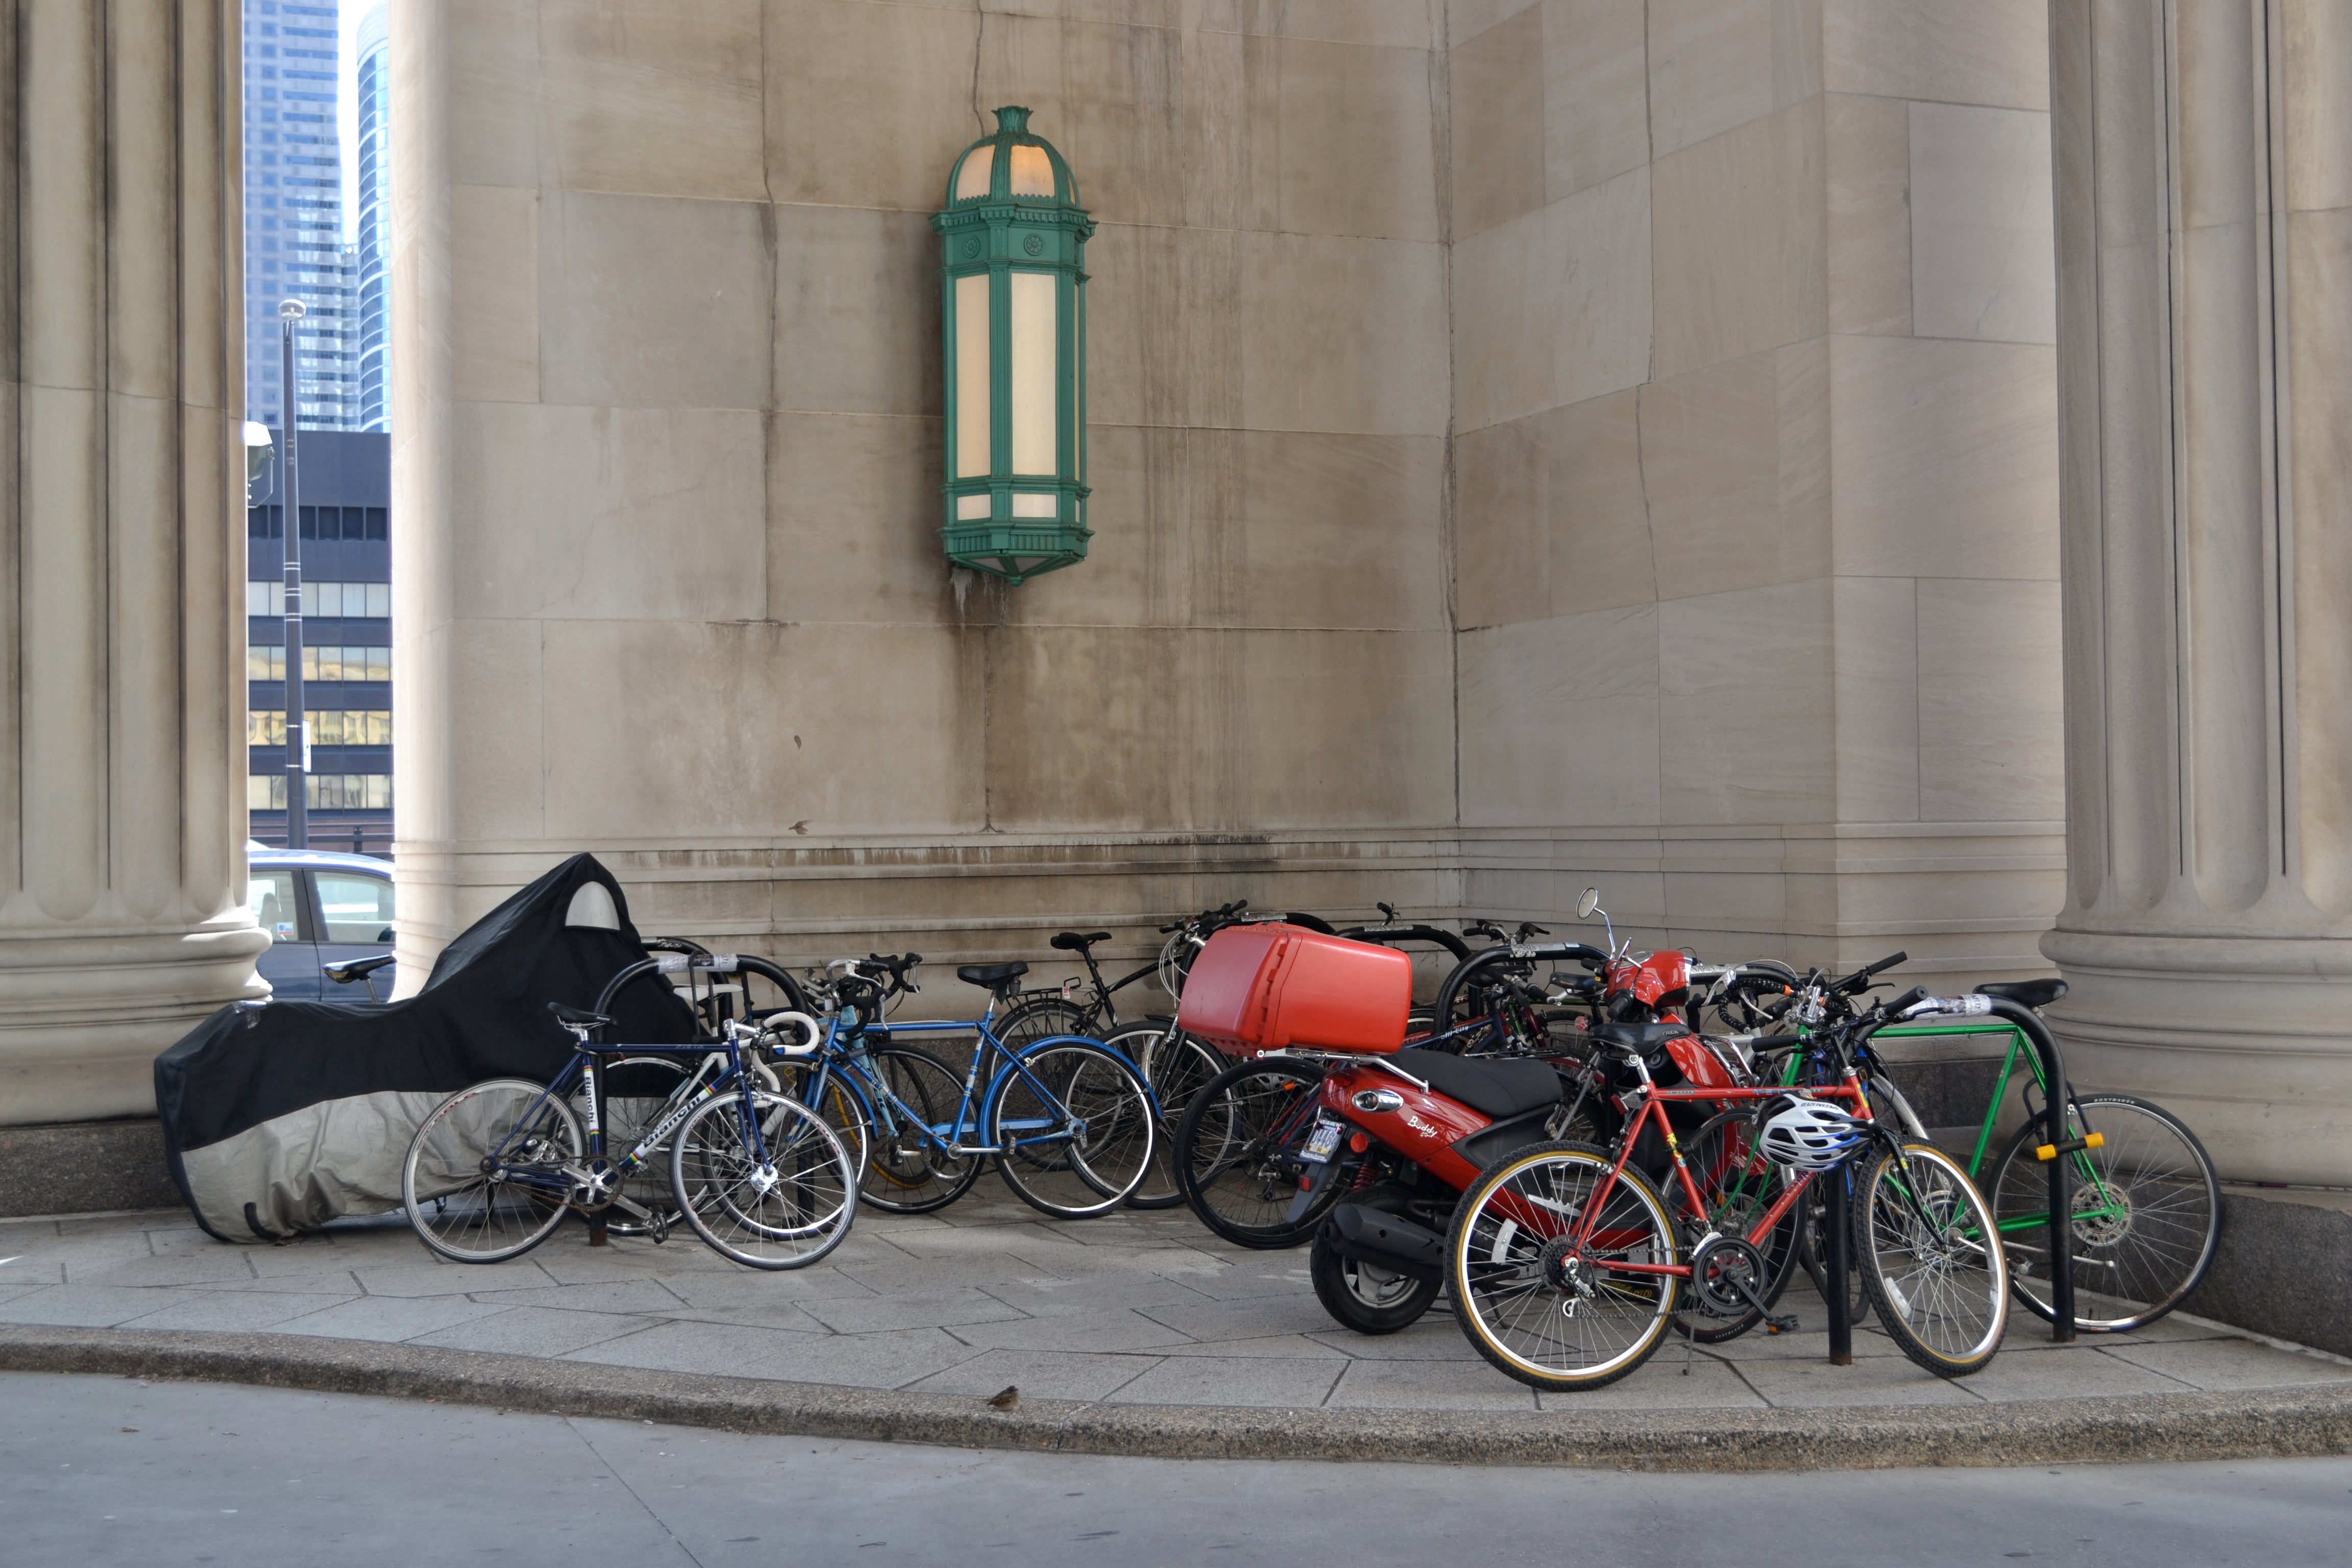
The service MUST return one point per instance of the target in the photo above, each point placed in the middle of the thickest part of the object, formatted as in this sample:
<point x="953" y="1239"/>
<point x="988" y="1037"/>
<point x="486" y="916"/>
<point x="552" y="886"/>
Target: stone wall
<point x="669" y="585"/>
<point x="1756" y="533"/>
<point x="1533" y="443"/>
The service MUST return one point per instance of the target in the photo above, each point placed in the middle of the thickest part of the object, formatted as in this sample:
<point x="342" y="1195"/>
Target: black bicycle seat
<point x="1647" y="1039"/>
<point x="991" y="976"/>
<point x="1499" y="1089"/>
<point x="2036" y="994"/>
<point x="344" y="974"/>
<point x="1078" y="942"/>
<point x="580" y="1015"/>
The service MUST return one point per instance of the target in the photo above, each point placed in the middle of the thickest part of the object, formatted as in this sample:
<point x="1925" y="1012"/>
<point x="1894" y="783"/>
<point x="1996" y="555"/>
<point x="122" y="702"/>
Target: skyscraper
<point x="372" y="197"/>
<point x="294" y="213"/>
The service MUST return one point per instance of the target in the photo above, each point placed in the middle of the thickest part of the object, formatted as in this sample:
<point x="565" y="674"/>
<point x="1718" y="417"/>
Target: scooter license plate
<point x="1320" y="1143"/>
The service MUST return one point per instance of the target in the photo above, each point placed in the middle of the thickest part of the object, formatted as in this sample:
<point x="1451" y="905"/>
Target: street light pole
<point x="298" y="732"/>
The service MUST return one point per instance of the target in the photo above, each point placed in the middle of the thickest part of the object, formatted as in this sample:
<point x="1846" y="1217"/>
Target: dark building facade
<point x="344" y="523"/>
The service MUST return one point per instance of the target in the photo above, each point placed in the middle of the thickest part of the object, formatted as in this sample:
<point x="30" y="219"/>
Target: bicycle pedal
<point x="1785" y="1325"/>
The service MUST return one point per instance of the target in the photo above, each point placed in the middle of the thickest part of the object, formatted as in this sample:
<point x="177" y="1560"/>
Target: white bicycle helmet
<point x="1810" y="1136"/>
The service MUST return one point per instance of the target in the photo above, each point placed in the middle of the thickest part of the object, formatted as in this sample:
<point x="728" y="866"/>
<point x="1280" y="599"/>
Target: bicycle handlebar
<point x="1860" y="979"/>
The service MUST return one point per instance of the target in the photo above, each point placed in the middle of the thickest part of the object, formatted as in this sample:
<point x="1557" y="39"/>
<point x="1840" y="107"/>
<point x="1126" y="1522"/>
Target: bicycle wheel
<point x="1541" y="1277"/>
<point x="1043" y="1016"/>
<point x="638" y="1089"/>
<point x="1925" y="1245"/>
<point x="483" y="1178"/>
<point x="829" y="1091"/>
<point x="912" y="1102"/>
<point x="1074" y="1127"/>
<point x="762" y="1180"/>
<point x="1176" y="1066"/>
<point x="1739" y="1187"/>
<point x="1237" y="1148"/>
<point x="2148" y="1212"/>
<point x="1813" y="1251"/>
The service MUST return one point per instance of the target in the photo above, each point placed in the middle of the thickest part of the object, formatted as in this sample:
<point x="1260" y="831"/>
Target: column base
<point x="2249" y="1040"/>
<point x="82" y="1018"/>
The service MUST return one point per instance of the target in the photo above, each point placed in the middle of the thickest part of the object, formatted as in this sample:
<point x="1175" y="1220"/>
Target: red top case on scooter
<point x="1262" y="987"/>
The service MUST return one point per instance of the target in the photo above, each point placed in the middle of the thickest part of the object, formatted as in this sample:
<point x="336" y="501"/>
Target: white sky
<point x="350" y="13"/>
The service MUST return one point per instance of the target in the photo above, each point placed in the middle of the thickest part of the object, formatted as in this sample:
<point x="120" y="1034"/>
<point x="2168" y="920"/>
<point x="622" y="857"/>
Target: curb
<point x="2281" y="1424"/>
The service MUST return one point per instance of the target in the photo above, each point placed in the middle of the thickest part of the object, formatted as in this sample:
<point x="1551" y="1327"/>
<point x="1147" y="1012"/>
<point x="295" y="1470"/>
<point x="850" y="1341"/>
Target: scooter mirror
<point x="1587" y="904"/>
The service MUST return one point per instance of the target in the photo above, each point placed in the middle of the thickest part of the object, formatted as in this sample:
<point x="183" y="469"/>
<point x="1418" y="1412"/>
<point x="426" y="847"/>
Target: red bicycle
<point x="1566" y="1264"/>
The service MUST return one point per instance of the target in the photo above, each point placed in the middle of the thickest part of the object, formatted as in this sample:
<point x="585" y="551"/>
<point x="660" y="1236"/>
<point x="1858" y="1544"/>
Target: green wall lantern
<point x="1012" y="300"/>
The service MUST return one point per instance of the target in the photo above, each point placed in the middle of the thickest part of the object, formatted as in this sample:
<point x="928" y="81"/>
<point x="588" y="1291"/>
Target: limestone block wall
<point x="122" y="551"/>
<point x="667" y="450"/>
<point x="1755" y="529"/>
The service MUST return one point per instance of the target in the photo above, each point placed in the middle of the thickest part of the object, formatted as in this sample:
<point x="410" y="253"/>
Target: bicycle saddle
<point x="1499" y="1089"/>
<point x="580" y="1015"/>
<point x="1078" y="942"/>
<point x="1647" y="1039"/>
<point x="991" y="976"/>
<point x="344" y="974"/>
<point x="2036" y="994"/>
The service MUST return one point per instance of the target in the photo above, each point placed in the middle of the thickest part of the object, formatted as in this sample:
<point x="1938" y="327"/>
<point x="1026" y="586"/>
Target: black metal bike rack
<point x="2057" y="1099"/>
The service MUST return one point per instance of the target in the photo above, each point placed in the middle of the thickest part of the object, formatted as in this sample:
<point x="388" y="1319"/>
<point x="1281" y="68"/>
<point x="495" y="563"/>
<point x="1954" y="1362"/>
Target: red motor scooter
<point x="1329" y="1129"/>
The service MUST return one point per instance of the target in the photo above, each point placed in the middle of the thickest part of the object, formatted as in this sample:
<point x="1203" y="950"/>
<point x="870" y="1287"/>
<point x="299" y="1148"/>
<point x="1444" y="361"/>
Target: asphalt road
<point x="115" y="1470"/>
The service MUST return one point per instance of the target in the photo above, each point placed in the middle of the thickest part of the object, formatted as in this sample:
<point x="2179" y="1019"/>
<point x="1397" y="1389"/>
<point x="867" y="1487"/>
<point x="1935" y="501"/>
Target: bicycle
<point x="2146" y="1200"/>
<point x="492" y="1171"/>
<point x="1566" y="1264"/>
<point x="1070" y="1123"/>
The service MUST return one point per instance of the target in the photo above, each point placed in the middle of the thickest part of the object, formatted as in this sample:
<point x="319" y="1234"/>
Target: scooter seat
<point x="1499" y="1089"/>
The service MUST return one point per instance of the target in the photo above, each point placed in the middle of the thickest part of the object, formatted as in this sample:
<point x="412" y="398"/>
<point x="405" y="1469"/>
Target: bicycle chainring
<point x="1726" y="1272"/>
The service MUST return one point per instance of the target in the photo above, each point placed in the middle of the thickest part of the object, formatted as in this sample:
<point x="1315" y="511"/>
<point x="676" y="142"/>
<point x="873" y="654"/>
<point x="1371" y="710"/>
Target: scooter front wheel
<point x="1366" y="1297"/>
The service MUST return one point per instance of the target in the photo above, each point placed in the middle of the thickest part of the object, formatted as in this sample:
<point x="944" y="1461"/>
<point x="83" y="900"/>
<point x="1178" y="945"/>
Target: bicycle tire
<point x="1503" y="1291"/>
<point x="785" y="1212"/>
<point x="908" y="1171"/>
<point x="2152" y="1253"/>
<point x="1231" y="1159"/>
<point x="1930" y="1258"/>
<point x="837" y="1100"/>
<point x="443" y="1169"/>
<point x="1177" y="1067"/>
<point x="1058" y="1082"/>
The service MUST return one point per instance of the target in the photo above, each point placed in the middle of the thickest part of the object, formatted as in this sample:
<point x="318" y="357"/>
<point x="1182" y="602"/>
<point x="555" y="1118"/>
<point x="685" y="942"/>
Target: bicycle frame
<point x="1654" y="1102"/>
<point x="599" y="1178"/>
<point x="2086" y="1173"/>
<point x="961" y="1136"/>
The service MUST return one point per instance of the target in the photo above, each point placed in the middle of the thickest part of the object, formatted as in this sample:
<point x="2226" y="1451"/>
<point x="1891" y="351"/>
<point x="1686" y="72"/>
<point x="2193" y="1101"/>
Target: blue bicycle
<point x="1070" y="1123"/>
<point x="764" y="1181"/>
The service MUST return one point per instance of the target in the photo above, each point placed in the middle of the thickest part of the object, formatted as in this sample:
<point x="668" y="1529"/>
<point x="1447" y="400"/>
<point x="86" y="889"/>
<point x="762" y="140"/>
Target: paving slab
<point x="1135" y="1330"/>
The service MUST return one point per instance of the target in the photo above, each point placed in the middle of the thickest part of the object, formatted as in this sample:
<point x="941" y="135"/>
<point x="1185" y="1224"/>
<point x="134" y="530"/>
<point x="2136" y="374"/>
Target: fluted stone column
<point x="2203" y="151"/>
<point x="121" y="920"/>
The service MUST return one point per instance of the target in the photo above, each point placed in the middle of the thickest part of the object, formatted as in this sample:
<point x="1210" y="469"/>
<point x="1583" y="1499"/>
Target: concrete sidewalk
<point x="1135" y="1310"/>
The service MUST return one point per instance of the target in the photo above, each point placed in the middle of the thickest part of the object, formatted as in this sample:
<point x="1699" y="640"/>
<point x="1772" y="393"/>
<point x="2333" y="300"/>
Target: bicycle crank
<point x="1727" y="1275"/>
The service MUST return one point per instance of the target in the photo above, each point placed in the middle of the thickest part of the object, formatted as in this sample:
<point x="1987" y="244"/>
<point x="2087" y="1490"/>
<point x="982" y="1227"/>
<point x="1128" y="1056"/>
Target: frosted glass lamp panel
<point x="972" y="375"/>
<point x="1045" y="506"/>
<point x="971" y="179"/>
<point x="969" y="507"/>
<point x="1034" y="450"/>
<point x="1033" y="172"/>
